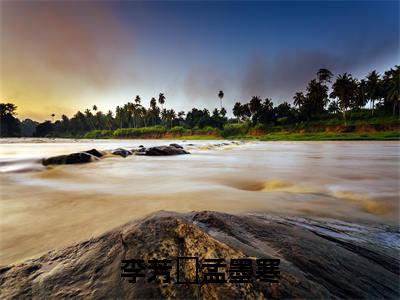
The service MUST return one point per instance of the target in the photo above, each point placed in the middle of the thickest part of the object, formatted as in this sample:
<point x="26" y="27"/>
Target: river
<point x="44" y="208"/>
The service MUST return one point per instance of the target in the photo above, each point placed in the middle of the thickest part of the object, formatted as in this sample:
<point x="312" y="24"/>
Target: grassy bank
<point x="331" y="136"/>
<point x="300" y="132"/>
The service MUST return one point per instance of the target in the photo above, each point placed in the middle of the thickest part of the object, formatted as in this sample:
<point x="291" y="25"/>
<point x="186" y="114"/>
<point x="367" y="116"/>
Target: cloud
<point x="86" y="41"/>
<point x="280" y="76"/>
<point x="60" y="56"/>
<point x="202" y="83"/>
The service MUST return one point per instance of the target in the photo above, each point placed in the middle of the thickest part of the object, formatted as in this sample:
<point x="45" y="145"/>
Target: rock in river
<point x="164" y="150"/>
<point x="176" y="146"/>
<point x="74" y="158"/>
<point x="95" y="152"/>
<point x="121" y="152"/>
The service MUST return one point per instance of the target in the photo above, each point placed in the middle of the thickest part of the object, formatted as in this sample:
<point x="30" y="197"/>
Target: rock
<point x="312" y="266"/>
<point x="141" y="146"/>
<point x="95" y="152"/>
<point x="121" y="152"/>
<point x="164" y="150"/>
<point x="176" y="146"/>
<point x="74" y="158"/>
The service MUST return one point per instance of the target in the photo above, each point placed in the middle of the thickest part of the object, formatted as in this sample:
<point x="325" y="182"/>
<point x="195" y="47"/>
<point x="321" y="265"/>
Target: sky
<point x="60" y="57"/>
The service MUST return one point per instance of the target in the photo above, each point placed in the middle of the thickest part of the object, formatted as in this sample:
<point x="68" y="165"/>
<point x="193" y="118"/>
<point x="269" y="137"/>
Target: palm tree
<point x="360" y="99"/>
<point x="237" y="110"/>
<point x="52" y="117"/>
<point x="317" y="97"/>
<point x="181" y="114"/>
<point x="221" y="95"/>
<point x="333" y="107"/>
<point x="392" y="87"/>
<point x="161" y="100"/>
<point x="89" y="118"/>
<point x="153" y="103"/>
<point x="171" y="115"/>
<point x="143" y="114"/>
<point x="344" y="89"/>
<point x="324" y="75"/>
<point x="153" y="108"/>
<point x="137" y="99"/>
<point x="255" y="105"/>
<point x="94" y="109"/>
<point x="119" y="115"/>
<point x="245" y="111"/>
<point x="131" y="110"/>
<point x="298" y="99"/>
<point x="373" y="88"/>
<point x="164" y="115"/>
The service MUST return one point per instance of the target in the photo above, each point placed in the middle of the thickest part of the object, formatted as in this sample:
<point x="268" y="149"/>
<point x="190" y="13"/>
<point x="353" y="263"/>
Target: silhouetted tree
<point x="391" y="84"/>
<point x="373" y="88"/>
<point x="299" y="99"/>
<point x="220" y="96"/>
<point x="161" y="100"/>
<point x="28" y="127"/>
<point x="333" y="107"/>
<point x="9" y="124"/>
<point x="237" y="111"/>
<point x="315" y="100"/>
<point x="324" y="75"/>
<point x="344" y="88"/>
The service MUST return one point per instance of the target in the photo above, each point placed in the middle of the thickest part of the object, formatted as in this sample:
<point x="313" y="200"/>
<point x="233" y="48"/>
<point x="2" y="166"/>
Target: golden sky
<point x="55" y="58"/>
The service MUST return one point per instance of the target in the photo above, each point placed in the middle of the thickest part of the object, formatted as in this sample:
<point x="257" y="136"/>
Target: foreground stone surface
<point x="319" y="259"/>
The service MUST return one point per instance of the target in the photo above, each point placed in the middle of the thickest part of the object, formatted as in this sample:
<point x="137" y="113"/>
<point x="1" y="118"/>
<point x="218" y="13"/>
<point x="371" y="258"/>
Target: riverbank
<point x="256" y="134"/>
<point x="381" y="129"/>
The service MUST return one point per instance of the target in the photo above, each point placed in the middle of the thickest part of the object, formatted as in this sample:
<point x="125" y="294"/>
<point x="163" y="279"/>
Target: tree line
<point x="323" y="98"/>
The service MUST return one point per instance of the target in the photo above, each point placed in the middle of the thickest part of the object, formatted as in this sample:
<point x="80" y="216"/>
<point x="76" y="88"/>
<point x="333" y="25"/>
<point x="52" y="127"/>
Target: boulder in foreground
<point x="318" y="260"/>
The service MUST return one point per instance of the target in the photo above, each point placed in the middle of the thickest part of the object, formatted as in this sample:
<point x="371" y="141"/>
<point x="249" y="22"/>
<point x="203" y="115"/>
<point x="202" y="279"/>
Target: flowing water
<point x="46" y="208"/>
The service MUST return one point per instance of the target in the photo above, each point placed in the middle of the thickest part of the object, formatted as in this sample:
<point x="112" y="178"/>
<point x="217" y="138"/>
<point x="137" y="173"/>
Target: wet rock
<point x="312" y="266"/>
<point x="176" y="146"/>
<point x="74" y="158"/>
<point x="164" y="150"/>
<point x="121" y="152"/>
<point x="140" y="151"/>
<point x="95" y="152"/>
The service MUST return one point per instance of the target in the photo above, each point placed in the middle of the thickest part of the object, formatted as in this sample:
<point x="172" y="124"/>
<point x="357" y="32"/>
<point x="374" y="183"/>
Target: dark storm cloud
<point x="279" y="77"/>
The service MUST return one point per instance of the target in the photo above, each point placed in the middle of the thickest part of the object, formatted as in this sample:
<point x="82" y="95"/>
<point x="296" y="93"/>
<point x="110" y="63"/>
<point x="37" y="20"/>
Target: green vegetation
<point x="352" y="105"/>
<point x="331" y="136"/>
